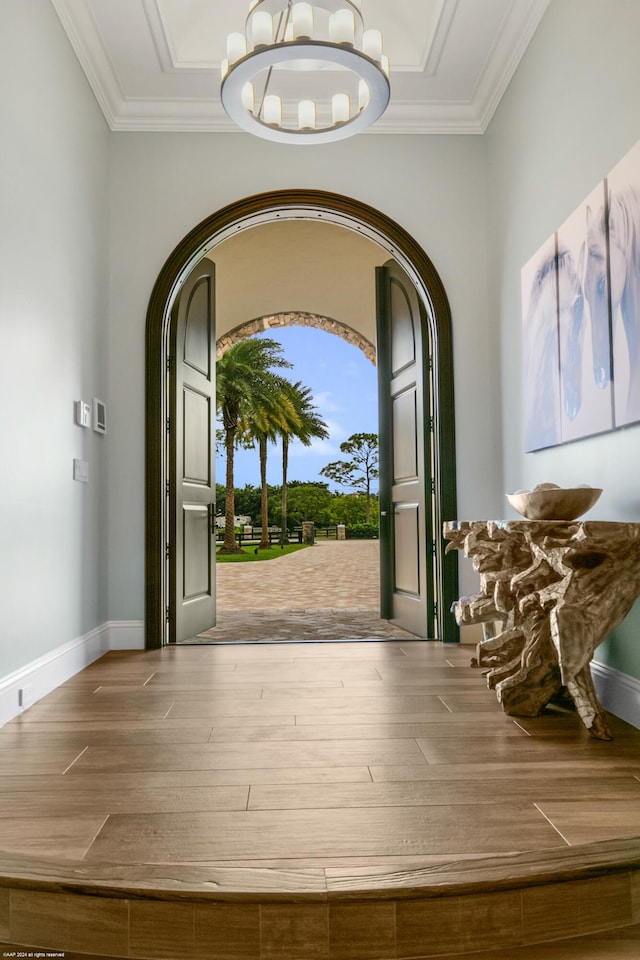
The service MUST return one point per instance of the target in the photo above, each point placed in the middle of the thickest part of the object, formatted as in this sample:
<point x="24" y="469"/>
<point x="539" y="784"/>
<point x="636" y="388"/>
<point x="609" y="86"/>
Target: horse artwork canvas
<point x="623" y="186"/>
<point x="539" y="279"/>
<point x="581" y="317"/>
<point x="583" y="322"/>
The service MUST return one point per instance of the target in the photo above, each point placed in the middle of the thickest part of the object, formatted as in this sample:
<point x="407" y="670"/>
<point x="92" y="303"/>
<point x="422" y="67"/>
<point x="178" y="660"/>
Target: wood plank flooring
<point x="316" y="756"/>
<point x="611" y="945"/>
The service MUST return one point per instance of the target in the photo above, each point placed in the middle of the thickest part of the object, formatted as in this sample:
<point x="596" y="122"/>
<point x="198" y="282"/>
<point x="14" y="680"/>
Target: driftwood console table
<point x="550" y="592"/>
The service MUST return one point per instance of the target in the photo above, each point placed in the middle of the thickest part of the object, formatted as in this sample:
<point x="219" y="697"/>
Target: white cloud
<point x="326" y="403"/>
<point x="317" y="448"/>
<point x="336" y="431"/>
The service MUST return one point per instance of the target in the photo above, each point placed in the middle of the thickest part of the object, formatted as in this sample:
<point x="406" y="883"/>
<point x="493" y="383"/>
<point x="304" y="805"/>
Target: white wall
<point x="53" y="311"/>
<point x="569" y="115"/>
<point x="164" y="184"/>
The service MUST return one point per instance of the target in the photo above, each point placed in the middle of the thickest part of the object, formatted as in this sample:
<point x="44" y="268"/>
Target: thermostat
<point x="99" y="416"/>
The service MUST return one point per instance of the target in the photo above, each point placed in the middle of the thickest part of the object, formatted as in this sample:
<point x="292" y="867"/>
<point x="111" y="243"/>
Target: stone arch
<point x="295" y="319"/>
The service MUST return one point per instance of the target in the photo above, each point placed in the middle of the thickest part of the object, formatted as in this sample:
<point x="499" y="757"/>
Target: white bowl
<point x="550" y="502"/>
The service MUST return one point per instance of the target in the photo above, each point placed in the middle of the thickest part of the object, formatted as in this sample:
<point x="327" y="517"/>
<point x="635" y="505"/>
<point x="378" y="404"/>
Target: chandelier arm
<point x="260" y="109"/>
<point x="279" y="35"/>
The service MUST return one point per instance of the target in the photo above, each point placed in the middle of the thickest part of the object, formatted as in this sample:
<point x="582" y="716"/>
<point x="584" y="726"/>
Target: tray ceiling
<point x="155" y="64"/>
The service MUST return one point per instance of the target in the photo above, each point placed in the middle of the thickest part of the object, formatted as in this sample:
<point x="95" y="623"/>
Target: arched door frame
<point x="243" y="215"/>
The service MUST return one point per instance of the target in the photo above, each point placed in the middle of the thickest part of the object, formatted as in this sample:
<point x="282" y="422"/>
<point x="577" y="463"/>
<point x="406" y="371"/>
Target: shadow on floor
<point x="302" y="626"/>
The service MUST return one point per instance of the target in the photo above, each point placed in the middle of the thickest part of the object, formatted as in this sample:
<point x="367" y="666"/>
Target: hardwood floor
<point x="342" y="761"/>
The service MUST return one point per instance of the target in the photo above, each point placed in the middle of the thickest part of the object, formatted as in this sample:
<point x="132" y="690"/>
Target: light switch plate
<point x="83" y="413"/>
<point x="81" y="471"/>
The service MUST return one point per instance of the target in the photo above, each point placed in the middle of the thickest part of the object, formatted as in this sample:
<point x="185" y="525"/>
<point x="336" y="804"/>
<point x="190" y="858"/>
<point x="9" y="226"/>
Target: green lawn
<point x="249" y="554"/>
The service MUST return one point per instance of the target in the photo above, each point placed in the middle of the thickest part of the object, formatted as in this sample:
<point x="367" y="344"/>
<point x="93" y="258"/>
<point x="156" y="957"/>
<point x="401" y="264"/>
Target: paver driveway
<point x="328" y="592"/>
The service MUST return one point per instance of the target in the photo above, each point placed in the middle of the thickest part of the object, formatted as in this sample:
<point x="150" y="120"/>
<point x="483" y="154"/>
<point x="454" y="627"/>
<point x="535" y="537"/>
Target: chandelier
<point x="305" y="72"/>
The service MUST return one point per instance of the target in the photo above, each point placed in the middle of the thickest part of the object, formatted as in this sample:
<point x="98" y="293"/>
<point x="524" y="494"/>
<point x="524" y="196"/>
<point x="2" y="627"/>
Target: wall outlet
<point x="25" y="696"/>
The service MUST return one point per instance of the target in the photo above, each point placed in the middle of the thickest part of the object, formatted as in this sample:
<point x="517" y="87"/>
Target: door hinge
<point x="433" y="484"/>
<point x="167" y="488"/>
<point x="431" y="424"/>
<point x="168" y="424"/>
<point x="430" y="361"/>
<point x="168" y="614"/>
<point x="435" y="610"/>
<point x="167" y="551"/>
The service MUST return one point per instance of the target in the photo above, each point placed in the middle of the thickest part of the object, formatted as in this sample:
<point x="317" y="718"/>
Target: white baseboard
<point x="41" y="676"/>
<point x="617" y="692"/>
<point x="21" y="689"/>
<point x="125" y="634"/>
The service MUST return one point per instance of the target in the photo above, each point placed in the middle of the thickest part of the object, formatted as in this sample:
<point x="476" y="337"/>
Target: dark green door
<point x="192" y="413"/>
<point x="406" y="454"/>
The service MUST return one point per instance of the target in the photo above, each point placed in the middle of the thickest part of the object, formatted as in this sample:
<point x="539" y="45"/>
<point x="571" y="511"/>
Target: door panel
<point x="196" y="437"/>
<point x="405" y="436"/>
<point x="403" y="340"/>
<point x="192" y="453"/>
<point x="196" y="543"/>
<point x="198" y="332"/>
<point x="406" y="505"/>
<point x="407" y="560"/>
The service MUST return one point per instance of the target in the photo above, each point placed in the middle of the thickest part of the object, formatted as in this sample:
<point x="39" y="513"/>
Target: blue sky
<point x="344" y="386"/>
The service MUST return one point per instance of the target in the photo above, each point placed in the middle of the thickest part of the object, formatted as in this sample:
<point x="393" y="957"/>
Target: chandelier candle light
<point x="305" y="72"/>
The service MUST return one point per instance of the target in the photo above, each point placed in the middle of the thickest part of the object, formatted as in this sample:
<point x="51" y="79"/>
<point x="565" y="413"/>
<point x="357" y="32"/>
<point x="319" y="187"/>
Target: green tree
<point x="221" y="492"/>
<point x="311" y="426"/>
<point x="360" y="471"/>
<point x="248" y="387"/>
<point x="350" y="508"/>
<point x="247" y="501"/>
<point x="311" y="501"/>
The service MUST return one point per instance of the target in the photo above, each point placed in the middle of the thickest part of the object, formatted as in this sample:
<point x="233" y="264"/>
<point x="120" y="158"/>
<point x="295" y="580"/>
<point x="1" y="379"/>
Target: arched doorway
<point x="243" y="215"/>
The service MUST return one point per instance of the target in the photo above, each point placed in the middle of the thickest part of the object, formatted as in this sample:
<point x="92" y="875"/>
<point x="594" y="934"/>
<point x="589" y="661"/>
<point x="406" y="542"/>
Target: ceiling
<point x="155" y="64"/>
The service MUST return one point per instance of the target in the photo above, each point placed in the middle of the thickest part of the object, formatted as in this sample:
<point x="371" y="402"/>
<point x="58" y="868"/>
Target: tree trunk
<point x="368" y="510"/>
<point x="230" y="545"/>
<point x="265" y="543"/>
<point x="284" y="534"/>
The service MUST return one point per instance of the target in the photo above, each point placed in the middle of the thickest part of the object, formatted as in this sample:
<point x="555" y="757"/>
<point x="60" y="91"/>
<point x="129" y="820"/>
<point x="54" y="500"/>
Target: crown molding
<point x="87" y="45"/>
<point x="194" y="116"/>
<point x="159" y="36"/>
<point x="408" y="116"/>
<point x="433" y="54"/>
<point x="505" y="58"/>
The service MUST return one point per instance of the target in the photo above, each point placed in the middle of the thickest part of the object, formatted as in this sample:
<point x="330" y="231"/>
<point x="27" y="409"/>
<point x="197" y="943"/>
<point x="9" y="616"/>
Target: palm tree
<point x="283" y="416"/>
<point x="265" y="542"/>
<point x="310" y="425"/>
<point x="246" y="386"/>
